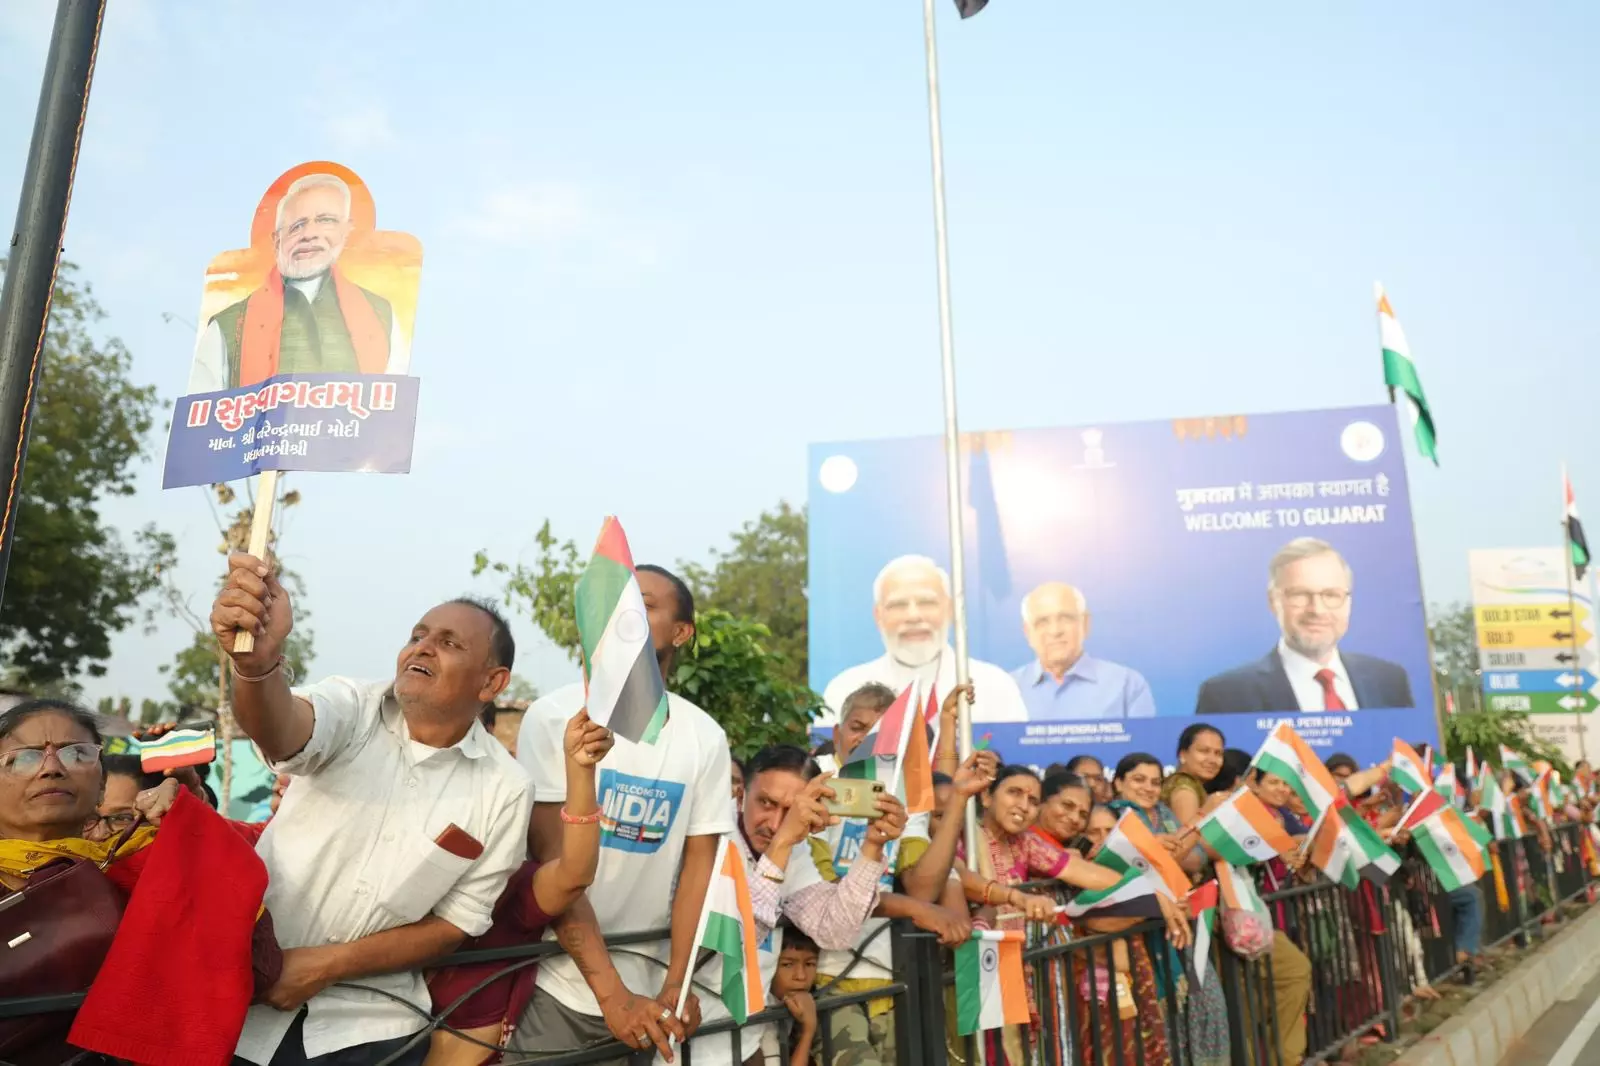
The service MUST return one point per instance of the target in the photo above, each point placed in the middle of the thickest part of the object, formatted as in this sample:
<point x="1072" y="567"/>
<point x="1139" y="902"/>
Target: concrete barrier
<point x="1488" y="1025"/>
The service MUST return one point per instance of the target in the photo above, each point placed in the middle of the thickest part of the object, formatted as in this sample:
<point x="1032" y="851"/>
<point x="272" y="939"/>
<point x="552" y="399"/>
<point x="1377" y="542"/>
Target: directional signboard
<point x="1537" y="651"/>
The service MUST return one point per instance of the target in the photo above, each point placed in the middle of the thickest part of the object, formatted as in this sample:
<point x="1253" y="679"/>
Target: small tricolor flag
<point x="1577" y="543"/>
<point x="1203" y="909"/>
<point x="1346" y="848"/>
<point x="1131" y="846"/>
<point x="180" y="747"/>
<point x="1407" y="769"/>
<point x="872" y="759"/>
<point x="1510" y="760"/>
<point x="1400" y="374"/>
<point x="1243" y="831"/>
<point x="1238" y="890"/>
<point x="990" y="989"/>
<point x="622" y="682"/>
<point x="1502" y="816"/>
<point x="1134" y="885"/>
<point x="916" y="769"/>
<point x="1283" y="753"/>
<point x="728" y="927"/>
<point x="1449" y="786"/>
<point x="1455" y="856"/>
<point x="1472" y="768"/>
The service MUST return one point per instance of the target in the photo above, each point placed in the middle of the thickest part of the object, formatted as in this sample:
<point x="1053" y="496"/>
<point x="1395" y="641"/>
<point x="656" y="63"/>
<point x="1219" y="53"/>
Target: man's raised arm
<point x="254" y="601"/>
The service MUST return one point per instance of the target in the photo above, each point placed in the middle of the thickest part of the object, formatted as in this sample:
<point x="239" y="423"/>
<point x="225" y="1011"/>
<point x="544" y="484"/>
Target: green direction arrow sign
<point x="1544" y="702"/>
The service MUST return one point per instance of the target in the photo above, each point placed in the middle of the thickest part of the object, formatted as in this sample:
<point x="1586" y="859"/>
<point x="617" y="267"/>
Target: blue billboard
<point x="1124" y="581"/>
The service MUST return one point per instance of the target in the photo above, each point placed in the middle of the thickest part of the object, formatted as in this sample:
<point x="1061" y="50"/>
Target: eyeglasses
<point x="25" y="762"/>
<point x="119" y="820"/>
<point x="1331" y="599"/>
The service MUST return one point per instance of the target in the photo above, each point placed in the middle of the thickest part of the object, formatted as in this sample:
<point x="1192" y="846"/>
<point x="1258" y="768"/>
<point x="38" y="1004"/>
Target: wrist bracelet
<point x="258" y="678"/>
<point x="579" y="819"/>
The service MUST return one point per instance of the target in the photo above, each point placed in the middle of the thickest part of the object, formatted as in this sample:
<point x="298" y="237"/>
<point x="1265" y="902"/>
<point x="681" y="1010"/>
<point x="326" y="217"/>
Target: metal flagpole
<point x="35" y="247"/>
<point x="952" y="431"/>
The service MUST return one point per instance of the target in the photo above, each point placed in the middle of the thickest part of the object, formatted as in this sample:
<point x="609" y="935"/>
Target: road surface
<point x="1567" y="1035"/>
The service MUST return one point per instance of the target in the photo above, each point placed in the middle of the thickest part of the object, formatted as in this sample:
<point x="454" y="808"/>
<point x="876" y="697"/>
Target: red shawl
<point x="176" y="985"/>
<point x="263" y="328"/>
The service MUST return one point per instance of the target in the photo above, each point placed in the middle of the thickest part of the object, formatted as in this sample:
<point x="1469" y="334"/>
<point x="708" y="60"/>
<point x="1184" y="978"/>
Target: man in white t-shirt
<point x="405" y="821"/>
<point x="664" y="806"/>
<point x="911" y="606"/>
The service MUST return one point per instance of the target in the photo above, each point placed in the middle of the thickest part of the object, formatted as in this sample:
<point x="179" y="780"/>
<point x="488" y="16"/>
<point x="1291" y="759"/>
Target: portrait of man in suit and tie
<point x="1309" y="589"/>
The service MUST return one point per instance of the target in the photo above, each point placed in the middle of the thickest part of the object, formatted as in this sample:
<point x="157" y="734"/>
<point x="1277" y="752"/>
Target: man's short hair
<point x="785" y="757"/>
<point x="502" y="646"/>
<point x="880" y="696"/>
<point x="680" y="591"/>
<point x="313" y="181"/>
<point x="1305" y="548"/>
<point x="907" y="562"/>
<point x="1339" y="761"/>
<point x="1077" y="596"/>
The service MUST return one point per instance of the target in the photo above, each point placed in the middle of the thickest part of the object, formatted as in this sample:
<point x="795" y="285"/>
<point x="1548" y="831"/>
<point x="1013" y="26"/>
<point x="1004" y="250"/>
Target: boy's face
<point x="797" y="971"/>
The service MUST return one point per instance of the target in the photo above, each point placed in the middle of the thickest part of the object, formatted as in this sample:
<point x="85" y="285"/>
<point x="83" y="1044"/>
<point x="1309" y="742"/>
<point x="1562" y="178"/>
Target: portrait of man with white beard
<point x="307" y="316"/>
<point x="911" y="606"/>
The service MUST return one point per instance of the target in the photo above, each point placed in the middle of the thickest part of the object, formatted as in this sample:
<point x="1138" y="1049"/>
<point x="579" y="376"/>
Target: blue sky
<point x="668" y="245"/>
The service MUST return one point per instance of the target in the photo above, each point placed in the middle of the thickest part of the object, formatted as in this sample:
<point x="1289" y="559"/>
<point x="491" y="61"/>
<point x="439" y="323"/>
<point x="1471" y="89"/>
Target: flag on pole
<point x="1456" y="858"/>
<point x="990" y="988"/>
<point x="1407" y="769"/>
<point x="1346" y="848"/>
<point x="1502" y="817"/>
<point x="622" y="682"/>
<point x="1203" y="909"/>
<point x="1283" y="753"/>
<point x="916" y="768"/>
<point x="728" y="927"/>
<point x="1243" y="831"/>
<point x="1510" y="760"/>
<point x="1131" y="846"/>
<point x="872" y="759"/>
<point x="968" y="8"/>
<point x="1577" y="543"/>
<point x="1238" y="890"/>
<point x="1448" y="786"/>
<point x="1134" y="885"/>
<point x="1400" y="374"/>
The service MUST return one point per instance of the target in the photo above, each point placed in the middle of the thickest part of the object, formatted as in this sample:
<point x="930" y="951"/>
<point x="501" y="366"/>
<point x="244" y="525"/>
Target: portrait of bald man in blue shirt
<point x="1063" y="683"/>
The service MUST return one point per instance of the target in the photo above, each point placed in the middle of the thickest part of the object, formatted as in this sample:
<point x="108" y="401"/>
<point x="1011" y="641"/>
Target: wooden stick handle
<point x="260" y="530"/>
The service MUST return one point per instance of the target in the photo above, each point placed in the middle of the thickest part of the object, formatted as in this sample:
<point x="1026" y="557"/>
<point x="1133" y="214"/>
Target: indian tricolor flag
<point x="990" y="989"/>
<point x="1510" y="760"/>
<point x="1132" y="847"/>
<point x="1238" y="891"/>
<point x="728" y="927"/>
<point x="1346" y="848"/>
<point x="1134" y="885"/>
<point x="622" y="680"/>
<point x="1407" y="769"/>
<point x="1577" y="543"/>
<point x="1502" y="817"/>
<point x="1203" y="909"/>
<point x="873" y="758"/>
<point x="1455" y="857"/>
<point x="1284" y="754"/>
<point x="1400" y="374"/>
<point x="1243" y="831"/>
<point x="180" y="747"/>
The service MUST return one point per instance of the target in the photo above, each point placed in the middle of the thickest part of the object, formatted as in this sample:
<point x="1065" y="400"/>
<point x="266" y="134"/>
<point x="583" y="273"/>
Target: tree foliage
<point x="763" y="576"/>
<point x="1485" y="731"/>
<point x="743" y="684"/>
<point x="1453" y="630"/>
<point x="74" y="581"/>
<point x="736" y="669"/>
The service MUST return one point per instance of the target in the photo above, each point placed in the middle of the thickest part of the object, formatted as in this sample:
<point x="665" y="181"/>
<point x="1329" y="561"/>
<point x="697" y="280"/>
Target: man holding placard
<point x="404" y="824"/>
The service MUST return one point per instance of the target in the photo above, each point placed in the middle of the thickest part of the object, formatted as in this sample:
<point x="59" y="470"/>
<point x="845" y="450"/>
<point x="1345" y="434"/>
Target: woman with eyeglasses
<point x="59" y="802"/>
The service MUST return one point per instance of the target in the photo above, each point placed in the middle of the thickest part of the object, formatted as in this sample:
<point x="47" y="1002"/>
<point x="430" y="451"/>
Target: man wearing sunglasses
<point x="1310" y="591"/>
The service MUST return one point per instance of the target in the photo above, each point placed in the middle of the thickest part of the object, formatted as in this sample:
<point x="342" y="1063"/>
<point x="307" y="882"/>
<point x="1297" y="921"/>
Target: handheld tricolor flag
<point x="1346" y="848"/>
<point x="1283" y="753"/>
<point x="883" y="743"/>
<point x="728" y="927"/>
<point x="1134" y="885"/>
<point x="1400" y="374"/>
<point x="990" y="988"/>
<point x="1455" y="856"/>
<point x="180" y="747"/>
<point x="1577" y="543"/>
<point x="1407" y="769"/>
<point x="1244" y="831"/>
<point x="1131" y="846"/>
<point x="622" y="682"/>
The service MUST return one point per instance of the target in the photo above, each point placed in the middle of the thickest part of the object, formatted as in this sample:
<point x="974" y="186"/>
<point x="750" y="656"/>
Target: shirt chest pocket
<point x="420" y="873"/>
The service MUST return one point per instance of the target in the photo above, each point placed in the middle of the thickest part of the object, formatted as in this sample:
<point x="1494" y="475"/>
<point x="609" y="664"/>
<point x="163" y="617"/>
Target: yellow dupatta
<point x="20" y="858"/>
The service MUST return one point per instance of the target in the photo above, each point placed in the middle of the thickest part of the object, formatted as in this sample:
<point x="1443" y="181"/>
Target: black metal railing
<point x="1122" y="996"/>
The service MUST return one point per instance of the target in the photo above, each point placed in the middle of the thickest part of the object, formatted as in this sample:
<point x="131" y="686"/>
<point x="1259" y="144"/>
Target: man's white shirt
<point x="1302" y="673"/>
<point x="352" y="852"/>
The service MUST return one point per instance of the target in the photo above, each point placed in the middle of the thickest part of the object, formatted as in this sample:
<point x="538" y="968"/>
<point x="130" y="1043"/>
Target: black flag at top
<point x="968" y="8"/>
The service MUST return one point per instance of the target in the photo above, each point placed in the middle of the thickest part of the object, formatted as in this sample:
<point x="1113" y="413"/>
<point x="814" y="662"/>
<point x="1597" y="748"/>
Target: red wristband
<point x="579" y="819"/>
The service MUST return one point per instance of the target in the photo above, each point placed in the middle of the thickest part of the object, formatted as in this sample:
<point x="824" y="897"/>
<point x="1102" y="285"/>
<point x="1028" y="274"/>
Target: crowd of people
<point x="402" y="832"/>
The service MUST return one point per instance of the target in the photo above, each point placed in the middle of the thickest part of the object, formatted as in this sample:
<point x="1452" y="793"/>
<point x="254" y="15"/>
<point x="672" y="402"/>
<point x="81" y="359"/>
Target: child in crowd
<point x="791" y="986"/>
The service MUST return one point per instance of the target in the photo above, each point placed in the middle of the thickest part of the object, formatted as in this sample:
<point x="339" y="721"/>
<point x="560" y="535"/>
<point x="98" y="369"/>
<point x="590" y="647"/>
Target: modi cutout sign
<point x="302" y="359"/>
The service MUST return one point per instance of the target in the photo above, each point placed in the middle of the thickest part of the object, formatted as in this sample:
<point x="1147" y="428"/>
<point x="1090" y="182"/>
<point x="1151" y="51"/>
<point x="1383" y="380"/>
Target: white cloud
<point x="530" y="213"/>
<point x="361" y="129"/>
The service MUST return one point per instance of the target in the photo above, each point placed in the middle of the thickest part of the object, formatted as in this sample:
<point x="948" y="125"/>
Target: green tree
<point x="519" y="690"/>
<point x="544" y="590"/>
<point x="1485" y="731"/>
<point x="763" y="576"/>
<point x="74" y="580"/>
<point x="1453" y="630"/>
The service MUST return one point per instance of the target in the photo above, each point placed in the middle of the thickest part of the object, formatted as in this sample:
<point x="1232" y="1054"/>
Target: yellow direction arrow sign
<point x="1516" y="615"/>
<point x="1532" y="635"/>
